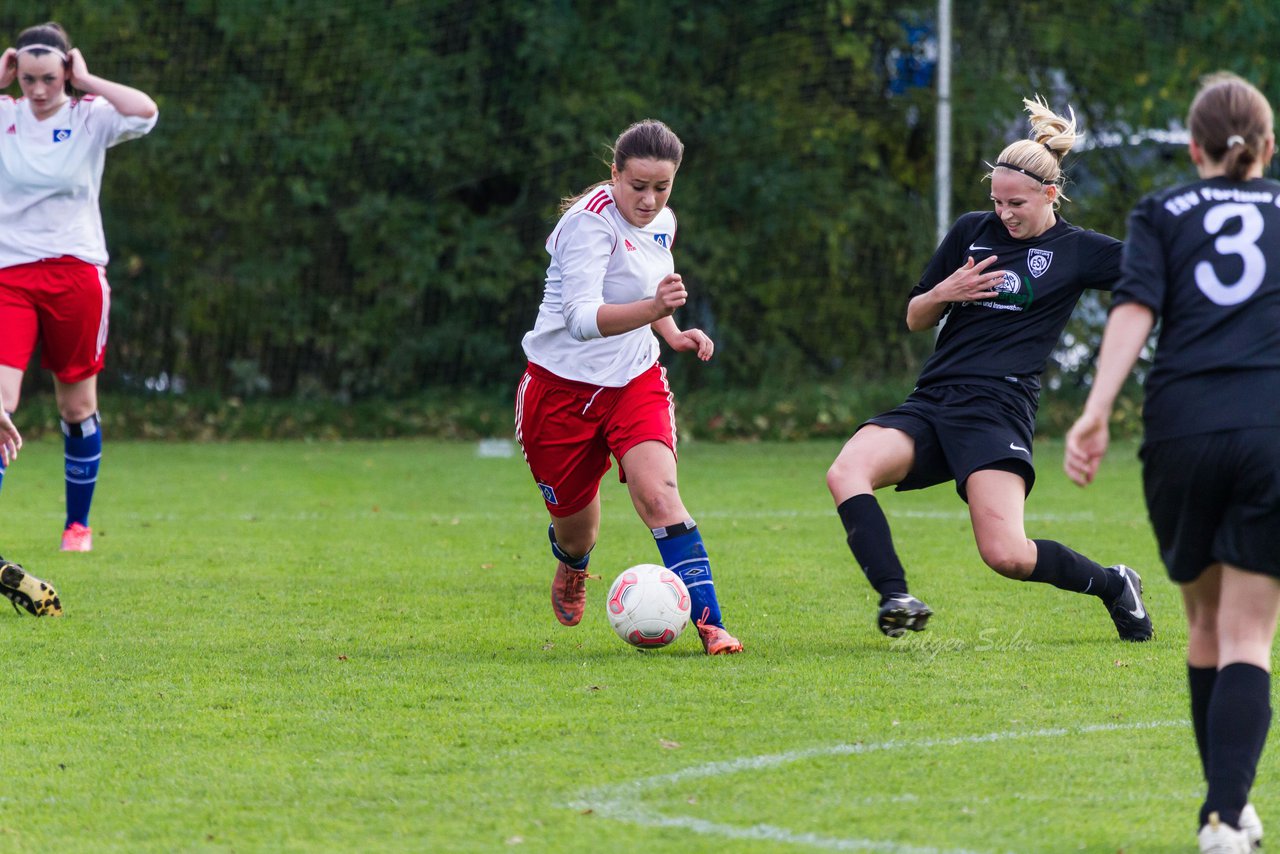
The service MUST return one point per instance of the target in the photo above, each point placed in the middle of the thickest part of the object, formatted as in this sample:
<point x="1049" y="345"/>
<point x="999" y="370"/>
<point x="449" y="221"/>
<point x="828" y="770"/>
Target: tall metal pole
<point x="942" y="165"/>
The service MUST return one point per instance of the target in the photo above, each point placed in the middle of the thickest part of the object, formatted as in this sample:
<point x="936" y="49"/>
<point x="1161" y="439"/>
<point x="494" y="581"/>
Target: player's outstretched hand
<point x="693" y="339"/>
<point x="10" y="439"/>
<point x="1087" y="442"/>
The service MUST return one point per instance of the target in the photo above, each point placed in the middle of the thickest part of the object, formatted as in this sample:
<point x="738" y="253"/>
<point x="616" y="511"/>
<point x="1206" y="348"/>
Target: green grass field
<point x="349" y="647"/>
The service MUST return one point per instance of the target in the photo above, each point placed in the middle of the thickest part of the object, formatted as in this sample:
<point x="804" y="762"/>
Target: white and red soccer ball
<point x="648" y="605"/>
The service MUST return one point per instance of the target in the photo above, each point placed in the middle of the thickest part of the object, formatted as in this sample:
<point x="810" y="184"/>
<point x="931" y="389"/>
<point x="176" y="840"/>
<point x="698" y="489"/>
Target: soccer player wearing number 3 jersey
<point x="594" y="386"/>
<point x="53" y="253"/>
<point x="1006" y="282"/>
<point x="1204" y="259"/>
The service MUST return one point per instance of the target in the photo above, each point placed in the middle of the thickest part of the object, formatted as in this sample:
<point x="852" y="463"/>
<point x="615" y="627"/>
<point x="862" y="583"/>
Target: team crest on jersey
<point x="1009" y="284"/>
<point x="663" y="240"/>
<point x="1038" y="261"/>
<point x="548" y="494"/>
<point x="1012" y="293"/>
<point x="61" y="134"/>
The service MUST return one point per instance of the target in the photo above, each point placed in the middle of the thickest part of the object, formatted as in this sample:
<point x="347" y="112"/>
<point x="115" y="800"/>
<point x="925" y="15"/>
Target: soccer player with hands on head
<point x="53" y="253"/>
<point x="594" y="386"/>
<point x="1204" y="258"/>
<point x="1005" y="281"/>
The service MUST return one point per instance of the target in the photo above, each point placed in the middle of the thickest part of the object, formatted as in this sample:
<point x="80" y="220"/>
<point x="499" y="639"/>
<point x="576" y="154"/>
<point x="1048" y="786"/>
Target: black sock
<point x="1201" y="681"/>
<point x="867" y="532"/>
<point x="1238" y="720"/>
<point x="1069" y="570"/>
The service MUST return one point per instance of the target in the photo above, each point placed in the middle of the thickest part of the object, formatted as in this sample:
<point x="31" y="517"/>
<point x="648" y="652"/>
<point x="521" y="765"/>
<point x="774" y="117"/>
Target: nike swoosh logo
<point x="1014" y="447"/>
<point x="973" y="247"/>
<point x="1141" y="611"/>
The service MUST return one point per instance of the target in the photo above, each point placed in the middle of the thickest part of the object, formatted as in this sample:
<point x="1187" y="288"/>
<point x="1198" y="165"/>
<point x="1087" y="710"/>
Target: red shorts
<point x="62" y="303"/>
<point x="568" y="430"/>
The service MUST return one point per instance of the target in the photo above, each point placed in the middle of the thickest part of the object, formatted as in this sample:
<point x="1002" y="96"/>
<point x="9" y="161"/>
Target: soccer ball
<point x="648" y="605"/>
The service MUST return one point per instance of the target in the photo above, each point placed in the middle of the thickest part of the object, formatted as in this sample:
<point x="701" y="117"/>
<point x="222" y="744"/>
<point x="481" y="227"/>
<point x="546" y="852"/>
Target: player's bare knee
<point x="1010" y="563"/>
<point x="837" y="479"/>
<point x="845" y="475"/>
<point x="659" y="505"/>
<point x="76" y="413"/>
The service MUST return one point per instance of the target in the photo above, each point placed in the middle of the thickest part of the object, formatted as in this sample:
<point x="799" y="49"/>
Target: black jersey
<point x="1205" y="257"/>
<point x="1007" y="340"/>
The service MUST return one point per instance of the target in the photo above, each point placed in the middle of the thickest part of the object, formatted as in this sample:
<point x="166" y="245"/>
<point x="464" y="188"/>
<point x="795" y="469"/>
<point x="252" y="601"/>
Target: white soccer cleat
<point x="1251" y="825"/>
<point x="1218" y="838"/>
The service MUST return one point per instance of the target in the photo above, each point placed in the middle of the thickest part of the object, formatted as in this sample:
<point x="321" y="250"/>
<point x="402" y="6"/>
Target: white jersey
<point x="51" y="177"/>
<point x="597" y="257"/>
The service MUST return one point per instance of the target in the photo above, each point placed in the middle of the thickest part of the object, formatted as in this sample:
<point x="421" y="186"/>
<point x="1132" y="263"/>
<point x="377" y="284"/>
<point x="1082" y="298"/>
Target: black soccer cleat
<point x="24" y="590"/>
<point x="901" y="612"/>
<point x="1127" y="610"/>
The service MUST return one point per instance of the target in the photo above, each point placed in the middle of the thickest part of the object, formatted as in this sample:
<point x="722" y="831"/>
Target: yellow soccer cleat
<point x="25" y="590"/>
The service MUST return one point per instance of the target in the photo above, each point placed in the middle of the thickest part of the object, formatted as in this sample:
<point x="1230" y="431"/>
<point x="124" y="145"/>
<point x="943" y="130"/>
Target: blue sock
<point x="562" y="555"/>
<point x="82" y="445"/>
<point x="684" y="554"/>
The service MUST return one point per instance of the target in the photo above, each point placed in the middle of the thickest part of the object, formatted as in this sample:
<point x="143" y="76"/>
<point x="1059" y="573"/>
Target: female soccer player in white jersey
<point x="53" y="254"/>
<point x="1204" y="258"/>
<point x="594" y="386"/>
<point x="1006" y="281"/>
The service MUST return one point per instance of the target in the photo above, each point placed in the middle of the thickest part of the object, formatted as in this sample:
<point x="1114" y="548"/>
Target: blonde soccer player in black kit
<point x="1204" y="259"/>
<point x="1005" y="281"/>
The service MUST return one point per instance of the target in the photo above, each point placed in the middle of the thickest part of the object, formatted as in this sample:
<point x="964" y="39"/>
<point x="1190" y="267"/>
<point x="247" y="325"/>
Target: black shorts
<point x="960" y="429"/>
<point x="1215" y="498"/>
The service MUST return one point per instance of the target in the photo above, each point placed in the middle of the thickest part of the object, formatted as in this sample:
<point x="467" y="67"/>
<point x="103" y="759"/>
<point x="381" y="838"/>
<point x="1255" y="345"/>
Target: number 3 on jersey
<point x="1244" y="244"/>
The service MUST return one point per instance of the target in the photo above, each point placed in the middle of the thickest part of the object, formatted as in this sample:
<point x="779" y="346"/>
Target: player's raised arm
<point x="127" y="100"/>
<point x="973" y="281"/>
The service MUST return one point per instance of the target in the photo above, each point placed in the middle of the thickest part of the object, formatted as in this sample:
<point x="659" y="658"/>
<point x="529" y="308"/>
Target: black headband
<point x="1026" y="172"/>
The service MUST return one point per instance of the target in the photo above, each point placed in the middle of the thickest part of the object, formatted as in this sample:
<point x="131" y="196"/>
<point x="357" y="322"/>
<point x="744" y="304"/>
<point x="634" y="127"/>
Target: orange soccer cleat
<point x="715" y="639"/>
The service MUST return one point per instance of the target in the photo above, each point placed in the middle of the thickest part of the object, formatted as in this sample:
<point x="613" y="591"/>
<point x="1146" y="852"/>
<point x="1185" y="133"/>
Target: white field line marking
<point x="535" y="515"/>
<point x="616" y="801"/>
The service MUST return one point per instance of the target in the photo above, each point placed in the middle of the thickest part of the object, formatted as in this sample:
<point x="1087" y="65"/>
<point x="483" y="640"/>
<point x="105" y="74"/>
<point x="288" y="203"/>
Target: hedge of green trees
<point x="348" y="200"/>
